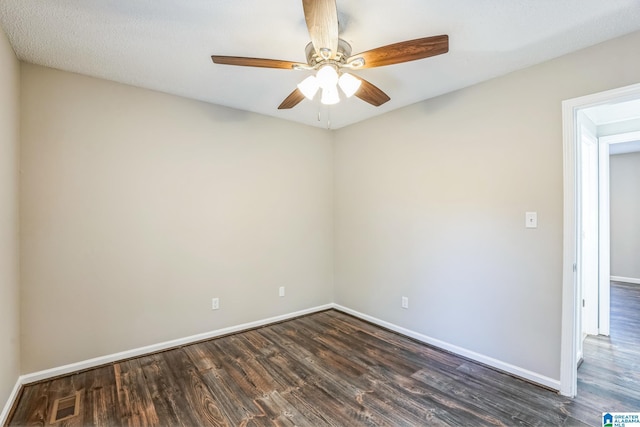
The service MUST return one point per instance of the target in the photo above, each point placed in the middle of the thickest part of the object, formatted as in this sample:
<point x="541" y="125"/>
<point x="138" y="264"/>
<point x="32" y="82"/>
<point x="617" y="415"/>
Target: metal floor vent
<point x="65" y="408"/>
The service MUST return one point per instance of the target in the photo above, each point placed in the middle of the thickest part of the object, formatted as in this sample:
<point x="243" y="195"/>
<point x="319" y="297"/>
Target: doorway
<point x="574" y="253"/>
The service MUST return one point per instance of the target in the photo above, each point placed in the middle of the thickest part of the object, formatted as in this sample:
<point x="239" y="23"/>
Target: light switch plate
<point x="531" y="219"/>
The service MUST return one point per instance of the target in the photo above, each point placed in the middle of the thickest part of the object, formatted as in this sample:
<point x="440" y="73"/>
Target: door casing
<point x="571" y="185"/>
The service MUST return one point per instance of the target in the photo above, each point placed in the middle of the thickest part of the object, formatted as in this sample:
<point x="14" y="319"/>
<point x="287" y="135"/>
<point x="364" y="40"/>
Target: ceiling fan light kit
<point x="327" y="79"/>
<point x="349" y="84"/>
<point x="330" y="96"/>
<point x="328" y="55"/>
<point x="309" y="87"/>
<point x="327" y="76"/>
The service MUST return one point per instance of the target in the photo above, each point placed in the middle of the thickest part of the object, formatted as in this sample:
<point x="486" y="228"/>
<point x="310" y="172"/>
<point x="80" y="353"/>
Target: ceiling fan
<point x="331" y="58"/>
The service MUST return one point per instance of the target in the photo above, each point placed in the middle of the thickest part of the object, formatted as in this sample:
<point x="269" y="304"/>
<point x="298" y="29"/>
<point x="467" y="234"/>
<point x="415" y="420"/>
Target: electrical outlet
<point x="215" y="303"/>
<point x="281" y="291"/>
<point x="405" y="302"/>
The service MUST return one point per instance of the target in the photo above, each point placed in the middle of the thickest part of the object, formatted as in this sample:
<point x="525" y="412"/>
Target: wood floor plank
<point x="101" y="397"/>
<point x="236" y="407"/>
<point x="434" y="397"/>
<point x="281" y="412"/>
<point x="331" y="369"/>
<point x="287" y="365"/>
<point x="165" y="397"/>
<point x="167" y="390"/>
<point x="327" y="405"/>
<point x="33" y="406"/>
<point x="135" y="405"/>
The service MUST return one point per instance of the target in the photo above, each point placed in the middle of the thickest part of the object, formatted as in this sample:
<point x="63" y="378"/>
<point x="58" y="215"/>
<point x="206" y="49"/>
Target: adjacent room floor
<point x="332" y="369"/>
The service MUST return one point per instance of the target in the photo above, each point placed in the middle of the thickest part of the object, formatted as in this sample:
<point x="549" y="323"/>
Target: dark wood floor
<point x="332" y="369"/>
<point x="609" y="377"/>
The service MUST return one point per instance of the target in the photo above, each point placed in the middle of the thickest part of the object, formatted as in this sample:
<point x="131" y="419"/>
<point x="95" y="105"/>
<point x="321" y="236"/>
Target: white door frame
<point x="604" y="239"/>
<point x="570" y="304"/>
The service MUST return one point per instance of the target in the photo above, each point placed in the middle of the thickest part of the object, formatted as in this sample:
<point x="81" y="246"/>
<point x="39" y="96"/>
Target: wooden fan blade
<point x="292" y="100"/>
<point x="254" y="62"/>
<point x="322" y="23"/>
<point x="406" y="51"/>
<point x="370" y="93"/>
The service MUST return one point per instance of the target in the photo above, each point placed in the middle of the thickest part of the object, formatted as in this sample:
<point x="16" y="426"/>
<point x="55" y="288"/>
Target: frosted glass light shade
<point x="327" y="77"/>
<point x="349" y="84"/>
<point x="309" y="87"/>
<point x="330" y="96"/>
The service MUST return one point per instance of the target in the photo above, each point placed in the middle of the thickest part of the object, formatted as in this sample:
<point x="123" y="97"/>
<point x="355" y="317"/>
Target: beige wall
<point x="624" y="196"/>
<point x="9" y="292"/>
<point x="431" y="201"/>
<point x="139" y="207"/>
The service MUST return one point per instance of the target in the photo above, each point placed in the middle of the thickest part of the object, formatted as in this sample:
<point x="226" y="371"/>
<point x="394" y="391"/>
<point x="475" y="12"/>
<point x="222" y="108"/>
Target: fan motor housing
<point x="313" y="59"/>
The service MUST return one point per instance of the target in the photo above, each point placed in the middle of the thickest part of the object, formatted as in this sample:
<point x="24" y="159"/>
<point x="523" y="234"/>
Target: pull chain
<point x="328" y="116"/>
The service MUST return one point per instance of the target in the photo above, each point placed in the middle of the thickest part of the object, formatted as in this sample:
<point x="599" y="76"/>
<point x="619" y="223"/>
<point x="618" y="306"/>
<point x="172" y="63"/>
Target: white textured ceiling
<point x="166" y="45"/>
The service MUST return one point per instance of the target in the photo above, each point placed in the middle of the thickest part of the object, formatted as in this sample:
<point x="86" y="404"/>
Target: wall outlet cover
<point x="531" y="219"/>
<point x="405" y="302"/>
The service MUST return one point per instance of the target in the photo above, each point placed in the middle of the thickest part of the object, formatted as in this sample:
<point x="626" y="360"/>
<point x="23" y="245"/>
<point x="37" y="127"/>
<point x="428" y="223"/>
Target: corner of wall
<point x="332" y="138"/>
<point x="9" y="221"/>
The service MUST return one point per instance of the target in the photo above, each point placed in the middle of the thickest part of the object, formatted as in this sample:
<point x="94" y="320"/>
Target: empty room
<point x="319" y="212"/>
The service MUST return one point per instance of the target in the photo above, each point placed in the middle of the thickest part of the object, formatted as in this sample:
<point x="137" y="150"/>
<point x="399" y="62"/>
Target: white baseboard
<point x="103" y="360"/>
<point x="498" y="364"/>
<point x="625" y="280"/>
<point x="4" y="415"/>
